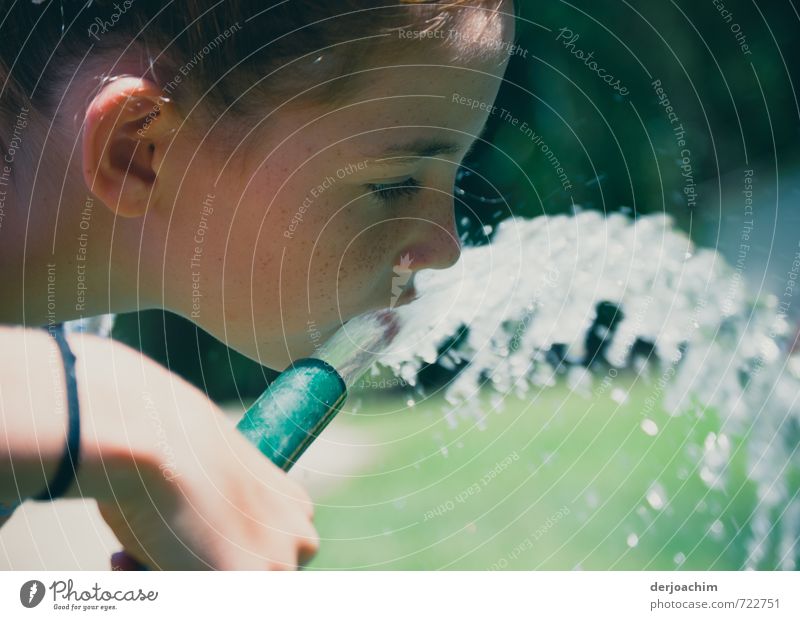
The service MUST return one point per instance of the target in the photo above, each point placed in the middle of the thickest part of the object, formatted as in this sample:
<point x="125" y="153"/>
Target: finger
<point x="122" y="561"/>
<point x="301" y="497"/>
<point x="307" y="548"/>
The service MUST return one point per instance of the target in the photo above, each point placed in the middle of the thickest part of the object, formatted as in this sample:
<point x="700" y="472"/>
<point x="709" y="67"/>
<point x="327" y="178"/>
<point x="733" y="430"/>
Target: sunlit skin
<point x="267" y="283"/>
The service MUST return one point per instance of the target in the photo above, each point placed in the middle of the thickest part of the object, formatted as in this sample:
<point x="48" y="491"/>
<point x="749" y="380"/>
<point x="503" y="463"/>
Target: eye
<point x="389" y="192"/>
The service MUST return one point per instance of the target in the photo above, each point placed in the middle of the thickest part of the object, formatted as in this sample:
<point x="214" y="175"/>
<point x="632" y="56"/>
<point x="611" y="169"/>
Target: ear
<point x="127" y="128"/>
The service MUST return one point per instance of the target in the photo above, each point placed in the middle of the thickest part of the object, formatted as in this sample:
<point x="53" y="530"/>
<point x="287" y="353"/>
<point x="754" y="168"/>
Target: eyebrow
<point x="417" y="149"/>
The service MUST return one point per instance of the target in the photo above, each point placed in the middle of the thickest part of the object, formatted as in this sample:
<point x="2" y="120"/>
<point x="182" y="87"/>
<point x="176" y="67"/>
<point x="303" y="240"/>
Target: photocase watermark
<point x="186" y="68"/>
<point x="685" y="161"/>
<point x="528" y="542"/>
<point x="568" y="39"/>
<point x="611" y="374"/>
<point x="151" y="116"/>
<point x="195" y="261"/>
<point x="402" y="274"/>
<point x="183" y="71"/>
<point x="736" y="29"/>
<point x="317" y="191"/>
<point x="743" y="249"/>
<point x="472" y="490"/>
<point x="167" y="466"/>
<point x="51" y="296"/>
<point x="80" y="258"/>
<point x="31" y="593"/>
<point x="5" y="177"/>
<point x="453" y="35"/>
<point x="523" y="127"/>
<point x="654" y="397"/>
<point x="101" y="26"/>
<point x="768" y="349"/>
<point x="314" y="334"/>
<point x="14" y="145"/>
<point x="550" y="280"/>
<point x="383" y="383"/>
<point x="67" y="597"/>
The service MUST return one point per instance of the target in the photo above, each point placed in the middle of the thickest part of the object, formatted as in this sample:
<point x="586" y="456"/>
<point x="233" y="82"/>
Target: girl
<point x="259" y="168"/>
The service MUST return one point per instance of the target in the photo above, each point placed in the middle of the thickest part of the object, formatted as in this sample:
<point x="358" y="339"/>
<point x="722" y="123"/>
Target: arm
<point x="33" y="412"/>
<point x="33" y="415"/>
<point x="160" y="458"/>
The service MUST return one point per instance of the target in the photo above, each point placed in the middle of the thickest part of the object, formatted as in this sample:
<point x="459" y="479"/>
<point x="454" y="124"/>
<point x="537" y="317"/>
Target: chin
<point x="280" y="355"/>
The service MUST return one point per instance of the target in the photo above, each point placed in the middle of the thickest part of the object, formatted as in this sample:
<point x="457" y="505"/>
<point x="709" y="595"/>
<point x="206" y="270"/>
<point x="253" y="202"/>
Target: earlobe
<point x="127" y="126"/>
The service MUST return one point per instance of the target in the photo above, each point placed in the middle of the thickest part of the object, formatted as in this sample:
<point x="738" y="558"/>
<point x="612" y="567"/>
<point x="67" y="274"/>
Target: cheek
<point x="310" y="259"/>
<point x="344" y="255"/>
<point x="367" y="255"/>
<point x="360" y="238"/>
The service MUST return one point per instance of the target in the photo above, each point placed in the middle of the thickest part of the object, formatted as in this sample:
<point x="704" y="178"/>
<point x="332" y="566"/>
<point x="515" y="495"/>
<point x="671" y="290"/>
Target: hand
<point x="179" y="486"/>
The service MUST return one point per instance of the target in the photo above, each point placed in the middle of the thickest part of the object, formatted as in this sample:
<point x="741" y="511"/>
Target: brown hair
<point x="213" y="50"/>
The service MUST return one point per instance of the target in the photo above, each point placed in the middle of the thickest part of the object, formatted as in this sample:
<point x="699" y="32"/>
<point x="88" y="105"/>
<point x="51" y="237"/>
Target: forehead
<point x="409" y="86"/>
<point x="473" y="32"/>
<point x="418" y="80"/>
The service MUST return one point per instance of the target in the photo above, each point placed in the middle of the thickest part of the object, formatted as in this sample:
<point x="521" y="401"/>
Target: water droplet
<point x="619" y="396"/>
<point x="649" y="427"/>
<point x="633" y="540"/>
<point x="679" y="558"/>
<point x="655" y="497"/>
<point x="444" y="451"/>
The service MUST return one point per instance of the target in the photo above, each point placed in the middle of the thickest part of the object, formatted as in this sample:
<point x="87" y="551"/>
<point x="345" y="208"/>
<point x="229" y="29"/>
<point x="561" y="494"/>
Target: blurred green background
<point x="556" y="482"/>
<point x="739" y="110"/>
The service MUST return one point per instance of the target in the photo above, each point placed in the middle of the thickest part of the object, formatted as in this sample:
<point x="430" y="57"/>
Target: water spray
<point x="305" y="397"/>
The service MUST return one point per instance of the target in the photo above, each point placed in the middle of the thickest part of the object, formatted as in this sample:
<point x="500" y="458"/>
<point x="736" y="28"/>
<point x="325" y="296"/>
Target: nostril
<point x="438" y="251"/>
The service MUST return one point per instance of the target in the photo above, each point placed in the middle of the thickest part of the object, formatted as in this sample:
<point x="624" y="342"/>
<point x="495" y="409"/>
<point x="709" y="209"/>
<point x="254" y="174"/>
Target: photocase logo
<point x="31" y="593"/>
<point x="402" y="274"/>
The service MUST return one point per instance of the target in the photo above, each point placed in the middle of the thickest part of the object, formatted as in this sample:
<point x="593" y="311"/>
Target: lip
<point x="408" y="295"/>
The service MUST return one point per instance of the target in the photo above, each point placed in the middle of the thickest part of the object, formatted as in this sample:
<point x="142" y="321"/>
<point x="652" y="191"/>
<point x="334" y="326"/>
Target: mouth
<point x="408" y="295"/>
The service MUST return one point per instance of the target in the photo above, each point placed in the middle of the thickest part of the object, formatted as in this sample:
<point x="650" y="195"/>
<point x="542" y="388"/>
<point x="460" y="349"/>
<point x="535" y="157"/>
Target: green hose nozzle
<point x="305" y="397"/>
<point x="294" y="410"/>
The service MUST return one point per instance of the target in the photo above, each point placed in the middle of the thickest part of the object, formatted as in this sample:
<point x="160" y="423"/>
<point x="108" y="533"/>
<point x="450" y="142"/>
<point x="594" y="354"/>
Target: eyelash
<point x="389" y="192"/>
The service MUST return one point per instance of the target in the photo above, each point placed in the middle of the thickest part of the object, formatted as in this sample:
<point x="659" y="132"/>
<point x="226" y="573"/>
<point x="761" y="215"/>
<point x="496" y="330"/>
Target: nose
<point x="435" y="243"/>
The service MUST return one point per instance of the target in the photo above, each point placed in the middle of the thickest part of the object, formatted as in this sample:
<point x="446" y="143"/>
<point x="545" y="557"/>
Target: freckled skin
<point x="271" y="244"/>
<point x="280" y="291"/>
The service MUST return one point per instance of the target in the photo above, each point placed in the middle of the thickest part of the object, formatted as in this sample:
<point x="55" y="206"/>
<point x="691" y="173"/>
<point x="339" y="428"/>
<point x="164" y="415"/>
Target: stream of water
<point x="523" y="305"/>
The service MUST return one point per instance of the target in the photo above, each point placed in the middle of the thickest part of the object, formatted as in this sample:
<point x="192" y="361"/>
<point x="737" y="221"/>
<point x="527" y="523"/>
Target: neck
<point x="63" y="254"/>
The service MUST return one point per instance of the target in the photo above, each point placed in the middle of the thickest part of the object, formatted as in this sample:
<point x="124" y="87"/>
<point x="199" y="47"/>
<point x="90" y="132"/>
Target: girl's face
<point x="334" y="211"/>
